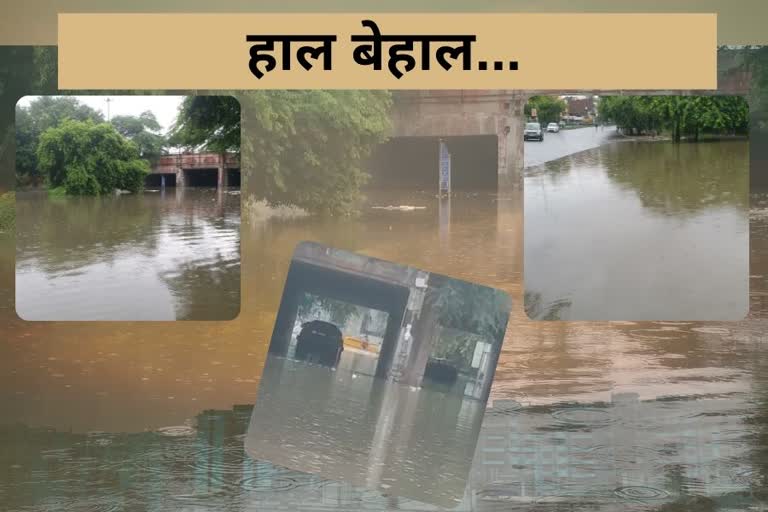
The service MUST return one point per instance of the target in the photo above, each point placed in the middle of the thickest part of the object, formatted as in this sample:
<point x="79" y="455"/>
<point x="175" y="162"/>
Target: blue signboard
<point x="445" y="169"/>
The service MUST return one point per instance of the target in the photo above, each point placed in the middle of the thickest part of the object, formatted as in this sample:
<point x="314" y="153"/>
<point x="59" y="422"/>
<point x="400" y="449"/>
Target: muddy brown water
<point x="625" y="415"/>
<point x="165" y="254"/>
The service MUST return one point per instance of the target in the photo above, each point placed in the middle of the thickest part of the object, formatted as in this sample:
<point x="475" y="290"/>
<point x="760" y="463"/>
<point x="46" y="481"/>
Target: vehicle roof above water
<point x="322" y="328"/>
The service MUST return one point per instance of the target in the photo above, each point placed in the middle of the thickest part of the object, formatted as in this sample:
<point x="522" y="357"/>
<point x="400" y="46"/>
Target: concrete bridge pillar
<point x="510" y="142"/>
<point x="223" y="181"/>
<point x="423" y="332"/>
<point x="180" y="181"/>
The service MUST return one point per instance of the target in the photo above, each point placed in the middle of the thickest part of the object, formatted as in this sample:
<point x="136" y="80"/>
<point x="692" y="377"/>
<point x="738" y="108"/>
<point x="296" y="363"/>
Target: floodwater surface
<point x="172" y="254"/>
<point x="363" y="430"/>
<point x="639" y="231"/>
<point x="611" y="416"/>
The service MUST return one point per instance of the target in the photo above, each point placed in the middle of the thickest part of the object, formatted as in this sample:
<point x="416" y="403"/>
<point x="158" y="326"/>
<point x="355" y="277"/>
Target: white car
<point x="553" y="127"/>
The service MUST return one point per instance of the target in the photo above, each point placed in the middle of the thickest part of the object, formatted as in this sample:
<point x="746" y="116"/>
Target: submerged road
<point x="566" y="142"/>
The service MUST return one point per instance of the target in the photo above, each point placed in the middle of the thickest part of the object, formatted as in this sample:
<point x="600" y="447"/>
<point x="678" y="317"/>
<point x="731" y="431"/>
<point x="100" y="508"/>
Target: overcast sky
<point x="164" y="107"/>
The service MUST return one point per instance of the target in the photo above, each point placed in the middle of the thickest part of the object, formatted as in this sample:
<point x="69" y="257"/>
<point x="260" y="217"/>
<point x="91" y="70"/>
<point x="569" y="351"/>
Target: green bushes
<point x="86" y="158"/>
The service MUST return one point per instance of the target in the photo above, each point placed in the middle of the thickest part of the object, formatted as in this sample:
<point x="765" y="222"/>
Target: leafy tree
<point x="23" y="70"/>
<point x="43" y="113"/>
<point x="633" y="114"/>
<point x="471" y="308"/>
<point x="457" y="347"/>
<point x="681" y="116"/>
<point x="548" y="108"/>
<point x="90" y="159"/>
<point x="309" y="147"/>
<point x="210" y="123"/>
<point x="339" y="311"/>
<point x="143" y="130"/>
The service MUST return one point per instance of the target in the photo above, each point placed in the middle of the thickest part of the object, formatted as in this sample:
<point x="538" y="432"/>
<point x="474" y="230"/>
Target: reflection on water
<point x="417" y="443"/>
<point x="690" y="455"/>
<point x="629" y="230"/>
<point x="664" y="416"/>
<point x="153" y="256"/>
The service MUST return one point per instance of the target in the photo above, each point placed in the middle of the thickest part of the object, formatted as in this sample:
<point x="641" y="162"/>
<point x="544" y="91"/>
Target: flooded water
<point x="638" y="231"/>
<point x="172" y="254"/>
<point x="416" y="443"/>
<point x="611" y="416"/>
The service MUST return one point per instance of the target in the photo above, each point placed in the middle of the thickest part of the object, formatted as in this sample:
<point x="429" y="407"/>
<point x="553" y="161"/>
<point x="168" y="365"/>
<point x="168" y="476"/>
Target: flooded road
<point x="615" y="416"/>
<point x="627" y="231"/>
<point x="160" y="255"/>
<point x="388" y="437"/>
<point x="567" y="142"/>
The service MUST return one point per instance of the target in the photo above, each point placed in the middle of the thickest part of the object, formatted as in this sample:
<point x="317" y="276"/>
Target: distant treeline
<point x="686" y="117"/>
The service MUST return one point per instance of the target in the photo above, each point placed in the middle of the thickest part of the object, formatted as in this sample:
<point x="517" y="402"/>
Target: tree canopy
<point x="144" y="131"/>
<point x="308" y="147"/>
<point x="681" y="116"/>
<point x="548" y="108"/>
<point x="43" y="113"/>
<point x="210" y="123"/>
<point x="23" y="70"/>
<point x="86" y="158"/>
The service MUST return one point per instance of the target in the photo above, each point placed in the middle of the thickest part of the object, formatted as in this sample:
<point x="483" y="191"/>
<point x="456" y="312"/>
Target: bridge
<point x="209" y="169"/>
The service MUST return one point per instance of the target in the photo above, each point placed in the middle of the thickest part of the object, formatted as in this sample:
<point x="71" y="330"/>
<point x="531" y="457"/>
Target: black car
<point x="440" y="370"/>
<point x="320" y="343"/>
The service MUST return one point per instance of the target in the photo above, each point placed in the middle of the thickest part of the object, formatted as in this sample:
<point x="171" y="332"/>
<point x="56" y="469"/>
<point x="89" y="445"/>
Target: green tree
<point x="209" y="123"/>
<point x="339" y="311"/>
<point x="90" y="159"/>
<point x="548" y="108"/>
<point x="23" y="70"/>
<point x="634" y="115"/>
<point x="471" y="308"/>
<point x="309" y="147"/>
<point x="144" y="131"/>
<point x="43" y="113"/>
<point x="681" y="116"/>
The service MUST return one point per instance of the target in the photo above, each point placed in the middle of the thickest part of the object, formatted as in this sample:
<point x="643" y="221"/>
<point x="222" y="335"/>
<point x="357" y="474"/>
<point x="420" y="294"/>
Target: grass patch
<point x="57" y="192"/>
<point x="260" y="210"/>
<point x="7" y="212"/>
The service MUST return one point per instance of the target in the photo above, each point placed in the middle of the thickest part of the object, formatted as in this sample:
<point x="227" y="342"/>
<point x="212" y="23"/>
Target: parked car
<point x="553" y="127"/>
<point x="533" y="131"/>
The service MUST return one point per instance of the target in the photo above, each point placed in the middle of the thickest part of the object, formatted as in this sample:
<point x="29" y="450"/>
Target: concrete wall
<point x="461" y="113"/>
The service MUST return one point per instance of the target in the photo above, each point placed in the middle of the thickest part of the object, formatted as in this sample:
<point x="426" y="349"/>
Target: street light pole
<point x="108" y="118"/>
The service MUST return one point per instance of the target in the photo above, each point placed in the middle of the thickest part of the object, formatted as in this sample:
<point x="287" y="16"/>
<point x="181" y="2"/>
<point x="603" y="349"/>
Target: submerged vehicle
<point x="319" y="342"/>
<point x="440" y="370"/>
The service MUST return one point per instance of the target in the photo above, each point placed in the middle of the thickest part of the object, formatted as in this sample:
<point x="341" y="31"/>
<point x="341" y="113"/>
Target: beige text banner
<point x="549" y="51"/>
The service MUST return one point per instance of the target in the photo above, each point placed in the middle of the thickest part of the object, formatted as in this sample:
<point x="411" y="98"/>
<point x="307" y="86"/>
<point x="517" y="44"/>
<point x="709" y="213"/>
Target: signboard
<point x="481" y="349"/>
<point x="445" y="169"/>
<point x="533" y="112"/>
